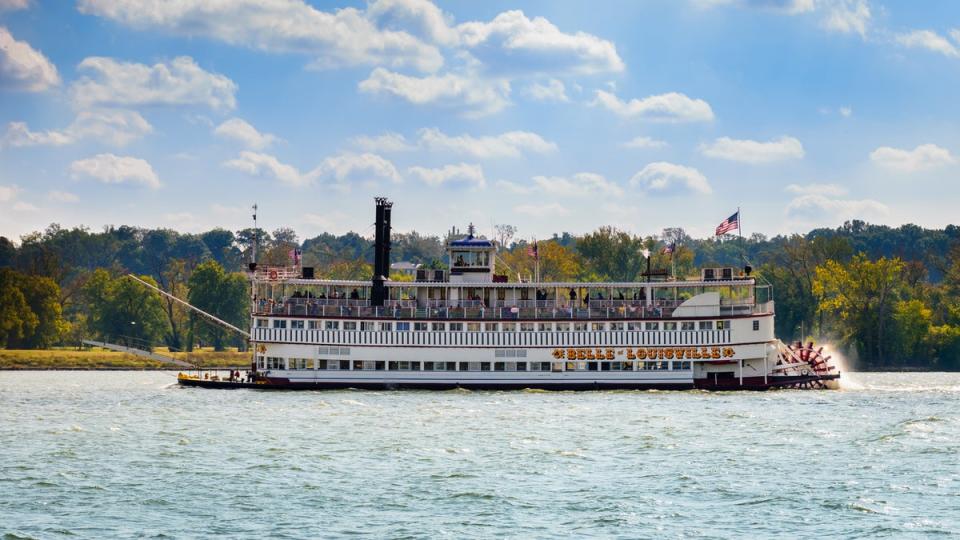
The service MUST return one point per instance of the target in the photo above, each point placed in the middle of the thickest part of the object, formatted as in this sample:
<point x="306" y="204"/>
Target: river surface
<point x="131" y="454"/>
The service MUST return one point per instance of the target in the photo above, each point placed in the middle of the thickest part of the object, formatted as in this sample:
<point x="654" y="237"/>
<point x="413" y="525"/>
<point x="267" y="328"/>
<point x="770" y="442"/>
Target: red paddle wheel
<point x="807" y="362"/>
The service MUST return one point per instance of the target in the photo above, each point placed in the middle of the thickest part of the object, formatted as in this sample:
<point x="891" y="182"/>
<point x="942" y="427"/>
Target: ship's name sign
<point x="647" y="353"/>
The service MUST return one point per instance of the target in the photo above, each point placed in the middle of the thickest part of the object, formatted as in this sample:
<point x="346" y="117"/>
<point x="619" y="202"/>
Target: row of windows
<point x="297" y="364"/>
<point x="370" y="326"/>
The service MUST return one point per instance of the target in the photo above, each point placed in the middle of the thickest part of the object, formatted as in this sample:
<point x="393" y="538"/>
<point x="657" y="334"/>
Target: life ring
<point x="273" y="274"/>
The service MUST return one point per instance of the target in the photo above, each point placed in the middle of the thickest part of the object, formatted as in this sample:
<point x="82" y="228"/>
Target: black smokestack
<point x="381" y="251"/>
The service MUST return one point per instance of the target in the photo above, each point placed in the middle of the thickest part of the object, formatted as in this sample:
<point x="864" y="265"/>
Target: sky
<point x="550" y="116"/>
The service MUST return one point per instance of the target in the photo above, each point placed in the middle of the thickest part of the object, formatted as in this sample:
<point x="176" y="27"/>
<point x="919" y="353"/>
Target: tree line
<point x="890" y="297"/>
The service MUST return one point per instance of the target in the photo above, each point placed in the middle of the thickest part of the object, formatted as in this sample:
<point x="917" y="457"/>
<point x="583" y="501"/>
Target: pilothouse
<point x="470" y="327"/>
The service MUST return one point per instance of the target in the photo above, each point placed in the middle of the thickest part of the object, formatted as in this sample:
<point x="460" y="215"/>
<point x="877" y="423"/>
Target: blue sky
<point x="552" y="116"/>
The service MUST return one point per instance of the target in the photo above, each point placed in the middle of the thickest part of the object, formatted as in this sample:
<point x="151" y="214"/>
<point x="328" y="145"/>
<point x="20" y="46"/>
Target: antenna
<point x="256" y="238"/>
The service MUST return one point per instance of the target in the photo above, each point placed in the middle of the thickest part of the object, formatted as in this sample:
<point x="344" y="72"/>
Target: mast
<point x="256" y="239"/>
<point x="213" y="318"/>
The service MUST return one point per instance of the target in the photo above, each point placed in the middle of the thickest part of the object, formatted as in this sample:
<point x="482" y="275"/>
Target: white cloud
<point x="921" y="158"/>
<point x="513" y="187"/>
<point x="513" y="43"/>
<point x="542" y="210"/>
<point x="670" y="107"/>
<point x="832" y="190"/>
<point x="786" y="7"/>
<point x="116" y="127"/>
<point x="846" y="112"/>
<point x="113" y="169"/>
<point x="458" y="173"/>
<point x="472" y="96"/>
<point x="927" y="39"/>
<point x="509" y="144"/>
<point x="553" y="90"/>
<point x="345" y="37"/>
<point x="348" y="167"/>
<point x="667" y="178"/>
<point x="62" y="196"/>
<point x="179" y="82"/>
<point x="847" y="16"/>
<point x="11" y="5"/>
<point x="818" y="208"/>
<point x="644" y="142"/>
<point x="754" y="152"/>
<point x="24" y="68"/>
<point x="9" y="193"/>
<point x="341" y="169"/>
<point x="23" y="206"/>
<point x="579" y="185"/>
<point x="240" y="130"/>
<point x="420" y="18"/>
<point x="267" y="166"/>
<point x="387" y="142"/>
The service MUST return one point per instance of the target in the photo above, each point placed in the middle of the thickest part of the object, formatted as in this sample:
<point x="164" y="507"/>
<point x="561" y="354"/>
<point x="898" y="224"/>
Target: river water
<point x="131" y="454"/>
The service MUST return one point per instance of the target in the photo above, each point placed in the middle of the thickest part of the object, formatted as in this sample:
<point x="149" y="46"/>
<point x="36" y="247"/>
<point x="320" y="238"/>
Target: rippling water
<point x="132" y="454"/>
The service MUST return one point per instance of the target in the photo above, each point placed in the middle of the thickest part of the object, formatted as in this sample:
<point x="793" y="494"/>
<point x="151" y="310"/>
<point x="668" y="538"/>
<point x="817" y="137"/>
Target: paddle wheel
<point x="807" y="364"/>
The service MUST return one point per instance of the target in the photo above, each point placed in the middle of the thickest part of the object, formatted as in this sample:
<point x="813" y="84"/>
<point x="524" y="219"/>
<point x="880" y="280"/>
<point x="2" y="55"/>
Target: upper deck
<point x="280" y="293"/>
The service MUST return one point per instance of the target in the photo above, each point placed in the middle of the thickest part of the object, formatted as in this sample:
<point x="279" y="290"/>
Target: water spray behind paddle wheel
<point x="812" y="361"/>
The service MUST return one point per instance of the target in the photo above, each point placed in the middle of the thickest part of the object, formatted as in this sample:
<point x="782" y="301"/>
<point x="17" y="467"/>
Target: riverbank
<point x="103" y="359"/>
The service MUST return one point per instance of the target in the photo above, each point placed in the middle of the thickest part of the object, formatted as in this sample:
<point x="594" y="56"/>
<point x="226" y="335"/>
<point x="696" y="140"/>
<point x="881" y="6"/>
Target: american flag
<point x="729" y="224"/>
<point x="294" y="255"/>
<point x="669" y="248"/>
<point x="533" y="251"/>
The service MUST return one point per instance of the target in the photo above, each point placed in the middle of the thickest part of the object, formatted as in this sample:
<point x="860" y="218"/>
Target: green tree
<point x="612" y="254"/>
<point x="912" y="321"/>
<point x="862" y="295"/>
<point x="224" y="295"/>
<point x="120" y="309"/>
<point x="17" y="320"/>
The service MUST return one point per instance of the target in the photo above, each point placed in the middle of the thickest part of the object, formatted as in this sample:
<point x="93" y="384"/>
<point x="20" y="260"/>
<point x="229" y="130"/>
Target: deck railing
<point x="602" y="309"/>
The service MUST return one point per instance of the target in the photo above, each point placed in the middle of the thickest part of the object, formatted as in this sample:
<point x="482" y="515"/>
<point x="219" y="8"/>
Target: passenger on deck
<point x="354" y="295"/>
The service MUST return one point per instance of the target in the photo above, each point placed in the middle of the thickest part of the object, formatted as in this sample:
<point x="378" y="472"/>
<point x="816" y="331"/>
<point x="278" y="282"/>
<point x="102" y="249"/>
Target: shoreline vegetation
<point x="885" y="298"/>
<point x="97" y="359"/>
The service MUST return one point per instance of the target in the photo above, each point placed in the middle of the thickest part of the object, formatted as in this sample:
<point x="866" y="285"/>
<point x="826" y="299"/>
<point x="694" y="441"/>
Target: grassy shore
<point x="96" y="358"/>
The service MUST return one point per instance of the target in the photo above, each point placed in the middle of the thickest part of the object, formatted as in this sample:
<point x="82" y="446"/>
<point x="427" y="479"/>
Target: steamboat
<point x="469" y="327"/>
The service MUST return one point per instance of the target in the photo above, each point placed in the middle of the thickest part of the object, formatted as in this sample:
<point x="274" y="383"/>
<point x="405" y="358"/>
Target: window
<point x="563" y="327"/>
<point x="456" y="327"/>
<point x="545" y="327"/>
<point x="401" y="326"/>
<point x="580" y="327"/>
<point x="274" y="362"/>
<point x="386" y="326"/>
<point x="681" y="365"/>
<point x="509" y="327"/>
<point x="366" y="326"/>
<point x="653" y="326"/>
<point x="490" y="326"/>
<point x="473" y="327"/>
<point x="419" y="327"/>
<point x="669" y="326"/>
<point x="261" y="323"/>
<point x="634" y="326"/>
<point x="260" y="363"/>
<point x="331" y="325"/>
<point x="296" y="325"/>
<point x="723" y="325"/>
<point x="598" y="326"/>
<point x="312" y="325"/>
<point x="526" y="327"/>
<point x="521" y="366"/>
<point x="616" y="327"/>
<point x="756" y="326"/>
<point x="349" y="325"/>
<point x="706" y="325"/>
<point x="321" y="364"/>
<point x="439" y="326"/>
<point x="279" y="323"/>
<point x="687" y="325"/>
<point x="498" y="366"/>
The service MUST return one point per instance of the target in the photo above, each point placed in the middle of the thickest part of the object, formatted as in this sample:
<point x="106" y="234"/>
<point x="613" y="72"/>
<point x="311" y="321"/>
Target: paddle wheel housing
<point x="808" y="362"/>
